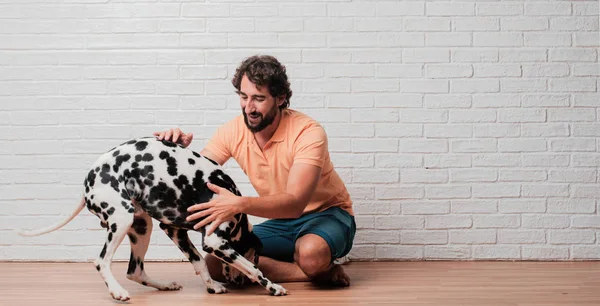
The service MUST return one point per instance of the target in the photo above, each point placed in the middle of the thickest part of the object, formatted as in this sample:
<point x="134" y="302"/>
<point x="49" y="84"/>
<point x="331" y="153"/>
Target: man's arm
<point x="302" y="182"/>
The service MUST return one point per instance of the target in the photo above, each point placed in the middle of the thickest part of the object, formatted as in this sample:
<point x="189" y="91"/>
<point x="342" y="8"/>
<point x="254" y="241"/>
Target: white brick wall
<point x="464" y="130"/>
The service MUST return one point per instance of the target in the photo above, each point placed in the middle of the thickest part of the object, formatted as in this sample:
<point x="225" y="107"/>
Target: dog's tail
<point x="56" y="226"/>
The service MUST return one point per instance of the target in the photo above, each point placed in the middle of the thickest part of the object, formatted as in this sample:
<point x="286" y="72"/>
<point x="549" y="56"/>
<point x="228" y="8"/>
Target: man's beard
<point x="263" y="121"/>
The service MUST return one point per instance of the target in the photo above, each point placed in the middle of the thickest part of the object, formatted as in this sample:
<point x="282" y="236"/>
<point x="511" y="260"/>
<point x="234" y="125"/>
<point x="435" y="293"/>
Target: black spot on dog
<point x="104" y="174"/>
<point x="135" y="165"/>
<point x="196" y="154"/>
<point x="91" y="178"/>
<point x="125" y="195"/>
<point x="110" y="211"/>
<point x="210" y="290"/>
<point x="103" y="204"/>
<point x="169" y="143"/>
<point x="132" y="265"/>
<point x="132" y="238"/>
<point x="163" y="155"/>
<point x="120" y="160"/>
<point x="169" y="213"/>
<point x="105" y="215"/>
<point x="148" y="157"/>
<point x="103" y="252"/>
<point x="162" y="196"/>
<point x="191" y="161"/>
<point x="207" y="249"/>
<point x="131" y="210"/>
<point x="233" y="256"/>
<point x="98" y="267"/>
<point x="218" y="253"/>
<point x="210" y="160"/>
<point x="113" y="228"/>
<point x="172" y="166"/>
<point x="144" y="283"/>
<point x="116" y="153"/>
<point x="141" y="145"/>
<point x="140" y="226"/>
<point x="194" y="257"/>
<point x="110" y="237"/>
<point x="219" y="178"/>
<point x="148" y="169"/>
<point x="138" y="158"/>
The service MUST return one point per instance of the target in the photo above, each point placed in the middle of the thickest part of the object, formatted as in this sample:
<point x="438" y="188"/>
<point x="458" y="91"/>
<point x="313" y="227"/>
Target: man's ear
<point x="280" y="100"/>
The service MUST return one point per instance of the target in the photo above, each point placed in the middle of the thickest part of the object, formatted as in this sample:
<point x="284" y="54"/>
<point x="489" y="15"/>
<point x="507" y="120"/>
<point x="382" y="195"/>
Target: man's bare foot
<point x="334" y="277"/>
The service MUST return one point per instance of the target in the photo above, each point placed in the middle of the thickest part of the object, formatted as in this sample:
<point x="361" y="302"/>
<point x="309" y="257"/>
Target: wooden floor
<point x="373" y="283"/>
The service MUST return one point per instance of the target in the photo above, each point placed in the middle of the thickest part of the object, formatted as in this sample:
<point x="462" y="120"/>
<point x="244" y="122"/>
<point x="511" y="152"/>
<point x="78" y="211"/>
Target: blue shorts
<point x="279" y="236"/>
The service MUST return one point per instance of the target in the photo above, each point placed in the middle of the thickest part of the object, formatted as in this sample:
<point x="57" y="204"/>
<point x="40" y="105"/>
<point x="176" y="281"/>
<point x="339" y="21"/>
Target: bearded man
<point x="286" y="157"/>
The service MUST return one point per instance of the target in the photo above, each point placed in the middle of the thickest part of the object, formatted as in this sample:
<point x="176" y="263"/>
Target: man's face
<point x="258" y="106"/>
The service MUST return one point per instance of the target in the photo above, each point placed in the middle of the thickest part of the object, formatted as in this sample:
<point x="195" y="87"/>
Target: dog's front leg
<point x="221" y="249"/>
<point x="181" y="239"/>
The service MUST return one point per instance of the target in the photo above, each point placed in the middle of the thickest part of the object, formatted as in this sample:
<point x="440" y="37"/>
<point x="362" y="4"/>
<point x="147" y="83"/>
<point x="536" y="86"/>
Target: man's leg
<point x="275" y="270"/>
<point x="309" y="261"/>
<point x="303" y="249"/>
<point x="314" y="258"/>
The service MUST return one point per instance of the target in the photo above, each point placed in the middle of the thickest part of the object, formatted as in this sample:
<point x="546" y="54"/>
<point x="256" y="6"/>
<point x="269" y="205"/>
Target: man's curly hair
<point x="265" y="70"/>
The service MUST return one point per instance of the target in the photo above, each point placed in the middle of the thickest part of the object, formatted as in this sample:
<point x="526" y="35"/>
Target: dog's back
<point x="163" y="177"/>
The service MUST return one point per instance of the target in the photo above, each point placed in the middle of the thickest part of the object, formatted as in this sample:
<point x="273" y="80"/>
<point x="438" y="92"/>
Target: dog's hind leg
<point x="221" y="249"/>
<point x="139" y="238"/>
<point x="119" y="221"/>
<point x="181" y="239"/>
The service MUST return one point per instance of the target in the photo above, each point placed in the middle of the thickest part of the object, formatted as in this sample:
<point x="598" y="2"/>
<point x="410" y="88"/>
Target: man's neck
<point x="263" y="136"/>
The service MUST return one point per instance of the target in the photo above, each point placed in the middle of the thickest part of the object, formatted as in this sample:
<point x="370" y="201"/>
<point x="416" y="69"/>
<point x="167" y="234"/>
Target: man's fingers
<point x="212" y="228"/>
<point x="199" y="215"/>
<point x="203" y="223"/>
<point x="168" y="135"/>
<point x="200" y="206"/>
<point x="176" y="134"/>
<point x="188" y="139"/>
<point x="216" y="189"/>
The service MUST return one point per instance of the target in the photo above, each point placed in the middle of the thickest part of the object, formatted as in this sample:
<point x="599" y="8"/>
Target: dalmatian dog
<point x="148" y="178"/>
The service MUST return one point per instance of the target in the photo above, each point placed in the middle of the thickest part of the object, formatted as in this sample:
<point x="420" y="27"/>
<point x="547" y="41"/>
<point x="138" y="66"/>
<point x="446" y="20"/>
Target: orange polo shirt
<point x="298" y="139"/>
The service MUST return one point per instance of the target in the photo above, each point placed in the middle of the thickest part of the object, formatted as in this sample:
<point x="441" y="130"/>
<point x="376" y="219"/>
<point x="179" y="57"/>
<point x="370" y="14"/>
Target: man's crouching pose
<point x="285" y="155"/>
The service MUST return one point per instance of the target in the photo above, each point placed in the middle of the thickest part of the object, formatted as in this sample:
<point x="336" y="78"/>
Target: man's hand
<point x="218" y="210"/>
<point x="175" y="135"/>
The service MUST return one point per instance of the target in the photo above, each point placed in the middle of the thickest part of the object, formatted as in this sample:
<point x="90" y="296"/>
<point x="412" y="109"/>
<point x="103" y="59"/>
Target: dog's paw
<point x="120" y="294"/>
<point x="277" y="290"/>
<point x="171" y="286"/>
<point x="216" y="288"/>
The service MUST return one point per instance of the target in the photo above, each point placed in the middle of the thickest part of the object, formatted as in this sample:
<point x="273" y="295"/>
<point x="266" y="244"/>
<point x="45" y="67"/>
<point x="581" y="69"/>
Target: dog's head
<point x="246" y="243"/>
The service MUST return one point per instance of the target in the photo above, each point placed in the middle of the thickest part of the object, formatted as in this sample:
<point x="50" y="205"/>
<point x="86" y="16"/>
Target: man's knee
<point x="312" y="255"/>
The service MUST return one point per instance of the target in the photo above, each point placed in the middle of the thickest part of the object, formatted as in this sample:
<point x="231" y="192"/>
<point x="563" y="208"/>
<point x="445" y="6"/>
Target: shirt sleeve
<point x="311" y="147"/>
<point x="220" y="143"/>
